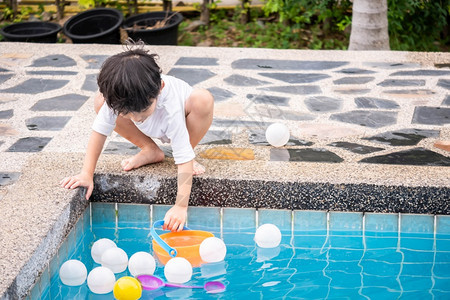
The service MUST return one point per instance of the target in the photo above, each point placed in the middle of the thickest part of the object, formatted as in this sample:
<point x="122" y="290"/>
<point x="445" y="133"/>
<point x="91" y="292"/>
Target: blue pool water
<point x="322" y="255"/>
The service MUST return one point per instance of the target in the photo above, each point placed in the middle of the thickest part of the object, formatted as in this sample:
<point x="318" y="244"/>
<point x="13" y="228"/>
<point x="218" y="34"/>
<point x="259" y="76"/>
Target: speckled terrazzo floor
<point x="367" y="130"/>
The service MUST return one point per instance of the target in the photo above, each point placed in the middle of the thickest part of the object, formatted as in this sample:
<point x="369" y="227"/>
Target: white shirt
<point x="167" y="122"/>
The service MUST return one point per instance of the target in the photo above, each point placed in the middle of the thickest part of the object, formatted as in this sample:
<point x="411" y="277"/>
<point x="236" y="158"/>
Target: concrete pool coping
<point x="40" y="214"/>
<point x="36" y="214"/>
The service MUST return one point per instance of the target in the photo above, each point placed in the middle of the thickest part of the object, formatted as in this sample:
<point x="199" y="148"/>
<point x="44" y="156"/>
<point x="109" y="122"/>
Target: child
<point x="139" y="103"/>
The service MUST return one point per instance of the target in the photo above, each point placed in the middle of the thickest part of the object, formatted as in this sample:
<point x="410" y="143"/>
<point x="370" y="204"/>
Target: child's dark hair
<point x="130" y="81"/>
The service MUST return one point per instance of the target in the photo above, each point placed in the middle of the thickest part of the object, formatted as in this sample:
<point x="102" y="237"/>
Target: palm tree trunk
<point x="369" y="25"/>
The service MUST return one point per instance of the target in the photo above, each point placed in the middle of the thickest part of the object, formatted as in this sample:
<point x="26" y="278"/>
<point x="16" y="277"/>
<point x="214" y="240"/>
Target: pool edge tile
<point x="310" y="220"/>
<point x="384" y="222"/>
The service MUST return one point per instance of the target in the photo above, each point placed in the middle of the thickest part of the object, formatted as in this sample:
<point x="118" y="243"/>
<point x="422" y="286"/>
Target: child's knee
<point x="98" y="102"/>
<point x="206" y="100"/>
<point x="201" y="102"/>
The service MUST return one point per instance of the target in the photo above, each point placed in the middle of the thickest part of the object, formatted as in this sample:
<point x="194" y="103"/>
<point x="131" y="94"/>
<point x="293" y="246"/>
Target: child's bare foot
<point x="198" y="168"/>
<point x="144" y="157"/>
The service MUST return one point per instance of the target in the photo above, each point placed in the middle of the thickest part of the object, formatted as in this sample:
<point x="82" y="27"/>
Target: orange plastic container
<point x="186" y="243"/>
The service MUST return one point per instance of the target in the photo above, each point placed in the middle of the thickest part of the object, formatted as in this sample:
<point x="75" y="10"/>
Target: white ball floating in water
<point x="73" y="272"/>
<point x="277" y="134"/>
<point x="178" y="270"/>
<point x="141" y="263"/>
<point x="115" y="259"/>
<point x="212" y="250"/>
<point x="99" y="247"/>
<point x="268" y="236"/>
<point x="101" y="280"/>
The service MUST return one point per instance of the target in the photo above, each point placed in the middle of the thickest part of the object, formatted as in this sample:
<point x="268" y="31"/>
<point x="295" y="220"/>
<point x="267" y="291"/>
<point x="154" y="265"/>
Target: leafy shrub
<point x="414" y="25"/>
<point x="328" y="13"/>
<point x="418" y="25"/>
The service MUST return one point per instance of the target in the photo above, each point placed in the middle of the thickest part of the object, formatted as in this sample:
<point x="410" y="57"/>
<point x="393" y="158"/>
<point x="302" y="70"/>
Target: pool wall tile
<point x="140" y="242"/>
<point x="346" y="221"/>
<point x="45" y="281"/>
<point x="309" y="241"/>
<point x="103" y="213"/>
<point x="86" y="217"/>
<point x="35" y="293"/>
<point x="343" y="255"/>
<point x="46" y="295"/>
<point x="244" y="239"/>
<point x="279" y="217"/>
<point x="199" y="217"/>
<point x="309" y="220"/>
<point x="55" y="290"/>
<point x="443" y="225"/>
<point x="353" y="242"/>
<point x="71" y="242"/>
<point x="381" y="222"/>
<point x="126" y="234"/>
<point x="133" y="214"/>
<point x="374" y="243"/>
<point x="241" y="219"/>
<point x="62" y="253"/>
<point x="412" y="256"/>
<point x="159" y="211"/>
<point x="372" y="267"/>
<point x="440" y="271"/>
<point x="54" y="266"/>
<point x="410" y="242"/>
<point x="104" y="232"/>
<point x="78" y="229"/>
<point x="414" y="223"/>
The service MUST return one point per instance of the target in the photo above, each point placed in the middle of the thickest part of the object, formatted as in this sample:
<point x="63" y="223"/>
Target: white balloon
<point x="268" y="236"/>
<point x="101" y="280"/>
<point x="141" y="263"/>
<point x="99" y="247"/>
<point x="115" y="259"/>
<point x="212" y="250"/>
<point x="178" y="270"/>
<point x="73" y="272"/>
<point x="277" y="134"/>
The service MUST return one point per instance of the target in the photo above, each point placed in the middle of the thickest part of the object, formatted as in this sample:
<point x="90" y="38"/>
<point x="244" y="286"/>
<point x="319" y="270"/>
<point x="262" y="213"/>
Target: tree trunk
<point x="132" y="7"/>
<point x="167" y="5"/>
<point x="60" y="4"/>
<point x="245" y="13"/>
<point x="369" y="25"/>
<point x="135" y="7"/>
<point x="13" y="5"/>
<point x="204" y="12"/>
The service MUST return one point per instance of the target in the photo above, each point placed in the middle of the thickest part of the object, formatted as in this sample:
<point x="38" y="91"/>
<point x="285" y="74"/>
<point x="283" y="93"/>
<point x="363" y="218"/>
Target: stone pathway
<point x="338" y="111"/>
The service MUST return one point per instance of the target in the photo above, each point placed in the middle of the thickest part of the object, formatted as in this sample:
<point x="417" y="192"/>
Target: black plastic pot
<point x="98" y="25"/>
<point x="34" y="32"/>
<point x="167" y="35"/>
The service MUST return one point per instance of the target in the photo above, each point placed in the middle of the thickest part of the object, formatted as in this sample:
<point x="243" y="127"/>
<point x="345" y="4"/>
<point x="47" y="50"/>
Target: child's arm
<point x="86" y="176"/>
<point x="176" y="216"/>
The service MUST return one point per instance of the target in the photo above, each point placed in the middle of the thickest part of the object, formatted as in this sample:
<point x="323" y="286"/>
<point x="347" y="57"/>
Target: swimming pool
<point x="321" y="255"/>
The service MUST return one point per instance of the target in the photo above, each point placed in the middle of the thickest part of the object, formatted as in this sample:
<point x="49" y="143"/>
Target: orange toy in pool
<point x="184" y="244"/>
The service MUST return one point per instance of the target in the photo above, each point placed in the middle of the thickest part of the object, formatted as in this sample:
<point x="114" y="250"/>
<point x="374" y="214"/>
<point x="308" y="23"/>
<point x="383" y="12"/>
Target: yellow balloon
<point x="127" y="288"/>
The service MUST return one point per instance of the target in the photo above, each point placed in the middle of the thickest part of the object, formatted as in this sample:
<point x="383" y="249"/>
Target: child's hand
<point x="175" y="218"/>
<point x="81" y="179"/>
